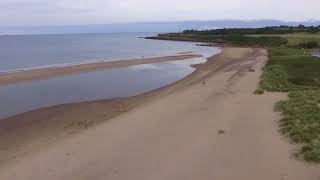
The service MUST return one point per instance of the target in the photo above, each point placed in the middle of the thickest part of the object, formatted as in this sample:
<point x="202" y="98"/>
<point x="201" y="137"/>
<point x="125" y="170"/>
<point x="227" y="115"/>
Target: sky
<point x="75" y="12"/>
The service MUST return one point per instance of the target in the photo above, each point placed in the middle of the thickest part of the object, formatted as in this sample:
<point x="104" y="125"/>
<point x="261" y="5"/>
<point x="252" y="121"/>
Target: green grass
<point x="256" y="41"/>
<point x="258" y="91"/>
<point x="290" y="70"/>
<point x="239" y="40"/>
<point x="294" y="38"/>
<point x="301" y="122"/>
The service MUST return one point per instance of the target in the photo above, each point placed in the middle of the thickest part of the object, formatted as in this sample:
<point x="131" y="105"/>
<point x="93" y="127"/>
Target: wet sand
<point x="209" y="125"/>
<point x="44" y="73"/>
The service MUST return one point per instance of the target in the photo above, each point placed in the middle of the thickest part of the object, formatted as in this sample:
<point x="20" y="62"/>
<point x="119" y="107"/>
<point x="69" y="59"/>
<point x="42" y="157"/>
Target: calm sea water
<point x="18" y="52"/>
<point x="32" y="51"/>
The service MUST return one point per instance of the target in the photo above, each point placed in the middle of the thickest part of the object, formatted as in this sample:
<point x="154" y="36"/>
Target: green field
<point x="294" y="38"/>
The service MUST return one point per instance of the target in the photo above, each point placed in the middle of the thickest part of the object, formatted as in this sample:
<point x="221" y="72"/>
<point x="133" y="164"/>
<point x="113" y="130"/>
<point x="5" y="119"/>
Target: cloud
<point x="48" y="12"/>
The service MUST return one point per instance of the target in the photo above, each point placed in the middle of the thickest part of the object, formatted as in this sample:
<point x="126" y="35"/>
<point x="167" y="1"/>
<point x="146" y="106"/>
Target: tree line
<point x="247" y="31"/>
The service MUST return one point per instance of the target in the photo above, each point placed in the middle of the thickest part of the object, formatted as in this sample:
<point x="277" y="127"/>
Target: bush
<point x="259" y="91"/>
<point x="310" y="153"/>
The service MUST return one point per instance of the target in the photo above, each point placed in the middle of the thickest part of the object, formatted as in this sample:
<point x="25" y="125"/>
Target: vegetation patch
<point x="237" y="40"/>
<point x="280" y="30"/>
<point x="256" y="41"/>
<point x="309" y="45"/>
<point x="290" y="69"/>
<point x="275" y="78"/>
<point x="301" y="122"/>
<point x="258" y="91"/>
<point x="294" y="39"/>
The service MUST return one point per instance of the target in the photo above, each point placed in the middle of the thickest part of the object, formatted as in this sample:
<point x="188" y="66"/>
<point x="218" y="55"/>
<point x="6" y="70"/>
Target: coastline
<point x="44" y="73"/>
<point x="141" y="137"/>
<point x="190" y="38"/>
<point x="29" y="127"/>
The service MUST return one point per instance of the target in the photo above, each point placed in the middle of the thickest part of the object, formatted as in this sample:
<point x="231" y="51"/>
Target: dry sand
<point x="44" y="73"/>
<point x="207" y="126"/>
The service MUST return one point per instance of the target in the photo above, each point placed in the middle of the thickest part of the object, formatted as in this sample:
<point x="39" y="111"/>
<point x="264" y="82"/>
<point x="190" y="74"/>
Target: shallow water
<point x="106" y="84"/>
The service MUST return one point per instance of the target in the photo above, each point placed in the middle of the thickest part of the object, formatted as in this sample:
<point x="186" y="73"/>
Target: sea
<point x="23" y="52"/>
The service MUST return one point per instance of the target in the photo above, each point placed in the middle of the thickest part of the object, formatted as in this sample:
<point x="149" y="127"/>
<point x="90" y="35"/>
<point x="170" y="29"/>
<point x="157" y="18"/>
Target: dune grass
<point x="301" y="122"/>
<point x="291" y="70"/>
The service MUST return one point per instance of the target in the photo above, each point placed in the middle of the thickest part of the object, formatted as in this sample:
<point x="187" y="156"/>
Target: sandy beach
<point x="206" y="126"/>
<point x="44" y="73"/>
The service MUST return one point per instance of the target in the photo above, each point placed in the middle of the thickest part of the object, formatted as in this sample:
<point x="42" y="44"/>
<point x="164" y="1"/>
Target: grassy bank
<point x="293" y="35"/>
<point x="294" y="38"/>
<point x="301" y="122"/>
<point x="240" y="40"/>
<point x="291" y="70"/>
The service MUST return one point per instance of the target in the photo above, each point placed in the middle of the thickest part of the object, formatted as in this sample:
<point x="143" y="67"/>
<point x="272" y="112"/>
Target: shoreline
<point x="33" y="121"/>
<point x="141" y="137"/>
<point x="56" y="71"/>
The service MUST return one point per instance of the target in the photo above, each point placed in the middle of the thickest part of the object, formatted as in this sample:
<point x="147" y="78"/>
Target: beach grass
<point x="291" y="70"/>
<point x="301" y="122"/>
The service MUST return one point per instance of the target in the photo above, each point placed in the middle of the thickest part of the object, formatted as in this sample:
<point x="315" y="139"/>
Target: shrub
<point x="259" y="91"/>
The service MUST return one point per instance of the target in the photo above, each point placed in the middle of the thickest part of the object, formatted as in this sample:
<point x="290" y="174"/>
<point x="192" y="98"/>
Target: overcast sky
<point x="70" y="12"/>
